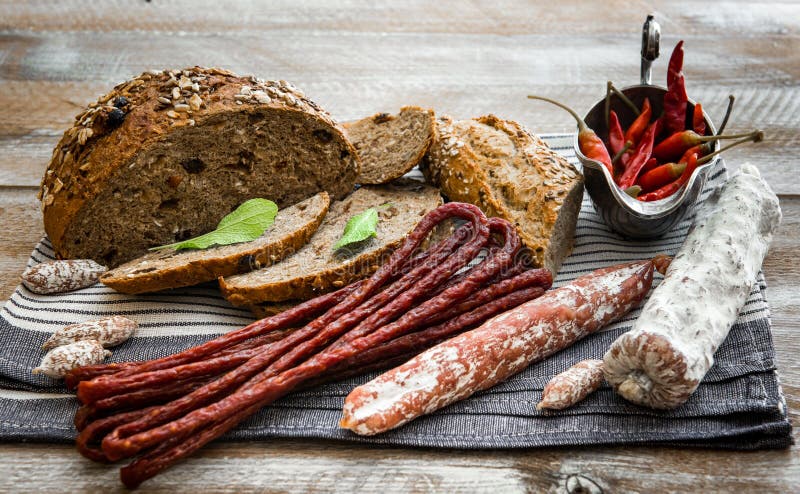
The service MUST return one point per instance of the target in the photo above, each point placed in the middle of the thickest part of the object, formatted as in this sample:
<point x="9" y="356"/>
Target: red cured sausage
<point x="498" y="349"/>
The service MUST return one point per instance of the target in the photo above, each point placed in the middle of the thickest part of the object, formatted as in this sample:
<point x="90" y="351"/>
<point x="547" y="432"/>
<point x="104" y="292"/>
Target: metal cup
<point x="623" y="213"/>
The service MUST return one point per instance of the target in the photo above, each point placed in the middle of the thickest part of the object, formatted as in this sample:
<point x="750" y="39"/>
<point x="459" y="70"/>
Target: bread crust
<point x="109" y="134"/>
<point x="548" y="190"/>
<point x="142" y="275"/>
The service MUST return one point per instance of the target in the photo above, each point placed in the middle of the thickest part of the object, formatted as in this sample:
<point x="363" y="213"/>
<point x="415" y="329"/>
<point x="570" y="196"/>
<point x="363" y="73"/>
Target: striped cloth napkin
<point x="739" y="405"/>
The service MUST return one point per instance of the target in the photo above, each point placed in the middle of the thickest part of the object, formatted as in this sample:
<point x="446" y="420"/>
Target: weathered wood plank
<point x="325" y="466"/>
<point x="509" y="17"/>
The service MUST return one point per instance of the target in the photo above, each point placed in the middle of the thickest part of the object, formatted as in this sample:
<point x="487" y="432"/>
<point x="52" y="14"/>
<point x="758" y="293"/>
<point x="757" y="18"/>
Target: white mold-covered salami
<point x="572" y="385"/>
<point x="498" y="349"/>
<point x="108" y="331"/>
<point x="62" y="276"/>
<point x="60" y="360"/>
<point x="661" y="361"/>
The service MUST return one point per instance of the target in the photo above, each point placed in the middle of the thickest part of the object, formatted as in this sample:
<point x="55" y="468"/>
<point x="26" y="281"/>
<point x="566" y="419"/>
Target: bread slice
<point x="389" y="146"/>
<point x="501" y="167"/>
<point x="164" y="156"/>
<point x="317" y="268"/>
<point x="169" y="268"/>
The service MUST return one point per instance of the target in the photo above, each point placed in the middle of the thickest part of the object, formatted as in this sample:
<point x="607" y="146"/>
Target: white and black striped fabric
<point x="739" y="405"/>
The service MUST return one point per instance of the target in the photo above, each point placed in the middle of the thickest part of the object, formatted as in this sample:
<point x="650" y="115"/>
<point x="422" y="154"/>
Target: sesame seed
<point x="164" y="100"/>
<point x="181" y="107"/>
<point x="172" y="114"/>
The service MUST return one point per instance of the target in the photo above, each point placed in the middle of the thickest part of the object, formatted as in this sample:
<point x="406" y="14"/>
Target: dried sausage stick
<point x="103" y="386"/>
<point x="161" y="458"/>
<point x="498" y="349"/>
<point x="116" y="445"/>
<point x="572" y="385"/>
<point x="283" y="320"/>
<point x="473" y="279"/>
<point x="323" y="303"/>
<point x="662" y="360"/>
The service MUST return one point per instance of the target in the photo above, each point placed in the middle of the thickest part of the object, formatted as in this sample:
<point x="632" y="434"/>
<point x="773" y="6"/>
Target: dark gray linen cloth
<point x="739" y="404"/>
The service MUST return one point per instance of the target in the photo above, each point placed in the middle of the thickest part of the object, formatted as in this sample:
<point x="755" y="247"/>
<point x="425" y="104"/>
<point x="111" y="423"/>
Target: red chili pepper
<point x="637" y="128"/>
<point x="660" y="176"/>
<point x="673" y="187"/>
<point x="698" y="121"/>
<point x="678" y="143"/>
<point x="640" y="157"/>
<point x="651" y="163"/>
<point x="675" y="63"/>
<point x="675" y="99"/>
<point x="700" y="150"/>
<point x="588" y="141"/>
<point x="616" y="138"/>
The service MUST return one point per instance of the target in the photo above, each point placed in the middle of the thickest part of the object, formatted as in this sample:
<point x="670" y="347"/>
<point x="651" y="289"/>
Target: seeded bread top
<point x="111" y="130"/>
<point x="507" y="171"/>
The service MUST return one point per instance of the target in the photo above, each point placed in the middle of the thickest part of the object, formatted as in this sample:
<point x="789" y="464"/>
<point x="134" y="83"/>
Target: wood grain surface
<point x="463" y="58"/>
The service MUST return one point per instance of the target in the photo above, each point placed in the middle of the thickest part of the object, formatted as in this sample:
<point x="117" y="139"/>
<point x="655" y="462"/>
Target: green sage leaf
<point x="358" y="228"/>
<point x="246" y="223"/>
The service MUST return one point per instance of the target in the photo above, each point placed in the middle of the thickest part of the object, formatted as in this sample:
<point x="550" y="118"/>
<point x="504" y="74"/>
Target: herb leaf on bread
<point x="359" y="228"/>
<point x="244" y="224"/>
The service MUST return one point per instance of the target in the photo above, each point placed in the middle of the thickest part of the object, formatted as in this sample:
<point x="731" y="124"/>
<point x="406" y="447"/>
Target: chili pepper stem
<point x="608" y="104"/>
<point x="756" y="136"/>
<point x="731" y="100"/>
<point x="624" y="98"/>
<point x="622" y="151"/>
<point x="581" y="124"/>
<point x="749" y="136"/>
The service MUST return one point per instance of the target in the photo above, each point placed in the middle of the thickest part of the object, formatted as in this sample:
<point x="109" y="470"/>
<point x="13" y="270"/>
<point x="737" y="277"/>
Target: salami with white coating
<point x="496" y="350"/>
<point x="662" y="360"/>
<point x="572" y="385"/>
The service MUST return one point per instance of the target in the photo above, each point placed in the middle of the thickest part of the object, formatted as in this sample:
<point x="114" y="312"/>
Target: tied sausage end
<point x="646" y="369"/>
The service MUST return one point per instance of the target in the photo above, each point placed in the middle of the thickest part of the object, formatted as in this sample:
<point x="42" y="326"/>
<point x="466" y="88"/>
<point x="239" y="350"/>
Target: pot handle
<point x="651" y="37"/>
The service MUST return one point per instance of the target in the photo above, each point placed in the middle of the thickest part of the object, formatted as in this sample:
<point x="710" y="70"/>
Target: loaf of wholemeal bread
<point x="391" y="145"/>
<point x="317" y="267"/>
<point x="170" y="268"/>
<point x="501" y="167"/>
<point x="163" y="157"/>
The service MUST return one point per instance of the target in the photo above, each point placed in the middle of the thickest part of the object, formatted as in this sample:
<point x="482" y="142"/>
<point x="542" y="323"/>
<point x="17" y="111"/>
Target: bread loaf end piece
<point x="168" y="268"/>
<point x="389" y="146"/>
<point x="317" y="268"/>
<point x="671" y="346"/>
<point x="504" y="169"/>
<point x="164" y="156"/>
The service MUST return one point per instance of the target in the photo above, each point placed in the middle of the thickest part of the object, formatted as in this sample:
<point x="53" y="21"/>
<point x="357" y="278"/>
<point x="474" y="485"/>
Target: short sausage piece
<point x="662" y="360"/>
<point x="58" y="361"/>
<point x="62" y="276"/>
<point x="108" y="331"/>
<point x="572" y="385"/>
<point x="496" y="350"/>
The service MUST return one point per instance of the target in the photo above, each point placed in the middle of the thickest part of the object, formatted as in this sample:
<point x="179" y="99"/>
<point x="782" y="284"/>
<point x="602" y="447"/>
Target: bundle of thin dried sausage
<point x="662" y="360"/>
<point x="162" y="410"/>
<point x="498" y="349"/>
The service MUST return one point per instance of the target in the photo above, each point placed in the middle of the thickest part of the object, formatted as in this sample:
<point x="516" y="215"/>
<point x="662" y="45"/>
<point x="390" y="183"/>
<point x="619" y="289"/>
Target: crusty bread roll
<point x="164" y="156"/>
<point x="501" y="167"/>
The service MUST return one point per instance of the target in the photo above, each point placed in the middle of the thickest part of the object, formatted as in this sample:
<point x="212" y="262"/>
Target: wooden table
<point x="461" y="58"/>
